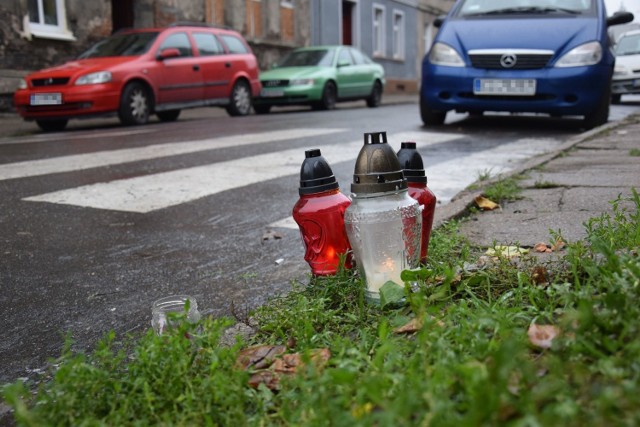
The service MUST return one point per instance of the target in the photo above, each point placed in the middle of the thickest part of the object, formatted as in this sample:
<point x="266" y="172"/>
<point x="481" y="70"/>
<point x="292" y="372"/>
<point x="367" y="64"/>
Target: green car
<point x="320" y="76"/>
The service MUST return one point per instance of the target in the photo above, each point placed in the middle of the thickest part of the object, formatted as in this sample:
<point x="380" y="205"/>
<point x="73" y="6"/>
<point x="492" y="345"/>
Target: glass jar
<point x="167" y="312"/>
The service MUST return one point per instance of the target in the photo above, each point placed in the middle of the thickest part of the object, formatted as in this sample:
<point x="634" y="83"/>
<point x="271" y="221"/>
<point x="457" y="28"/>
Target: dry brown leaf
<point x="259" y="357"/>
<point x="486" y="204"/>
<point x="266" y="377"/>
<point x="414" y="325"/>
<point x="539" y="275"/>
<point x="270" y="369"/>
<point x="542" y="335"/>
<point x="541" y="247"/>
<point x="558" y="245"/>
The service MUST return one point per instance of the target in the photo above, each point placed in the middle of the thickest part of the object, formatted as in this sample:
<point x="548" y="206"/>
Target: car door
<point x="215" y="65"/>
<point x="346" y="75"/>
<point x="179" y="74"/>
<point x="364" y="74"/>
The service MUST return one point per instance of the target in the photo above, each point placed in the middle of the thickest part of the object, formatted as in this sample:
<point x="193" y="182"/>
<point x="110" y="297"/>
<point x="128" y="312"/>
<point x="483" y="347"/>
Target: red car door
<point x="217" y="70"/>
<point x="178" y="72"/>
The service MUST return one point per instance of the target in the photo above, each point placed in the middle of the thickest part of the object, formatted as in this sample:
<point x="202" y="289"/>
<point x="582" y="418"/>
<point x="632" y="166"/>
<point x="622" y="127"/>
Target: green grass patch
<point x="634" y="152"/>
<point x="468" y="362"/>
<point x="504" y="190"/>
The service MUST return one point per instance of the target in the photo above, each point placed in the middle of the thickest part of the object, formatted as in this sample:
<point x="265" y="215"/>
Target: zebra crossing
<point x="154" y="191"/>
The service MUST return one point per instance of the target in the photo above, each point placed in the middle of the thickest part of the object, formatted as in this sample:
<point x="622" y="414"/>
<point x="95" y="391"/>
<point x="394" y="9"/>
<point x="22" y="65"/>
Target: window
<point x="286" y="21"/>
<point x="345" y="58"/>
<point x="178" y="41"/>
<point x="207" y="44"/>
<point x="358" y="57"/>
<point x="234" y="44"/>
<point x="254" y="18"/>
<point x="398" y="35"/>
<point x="378" y="30"/>
<point x="48" y="19"/>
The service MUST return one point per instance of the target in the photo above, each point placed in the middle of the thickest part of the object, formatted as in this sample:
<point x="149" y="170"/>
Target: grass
<point x="634" y="152"/>
<point x="504" y="189"/>
<point x="470" y="363"/>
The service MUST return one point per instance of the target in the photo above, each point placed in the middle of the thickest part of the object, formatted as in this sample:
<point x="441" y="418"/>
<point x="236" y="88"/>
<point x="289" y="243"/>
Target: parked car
<point x="542" y="56"/>
<point x="135" y="73"/>
<point x="320" y="76"/>
<point x="626" y="75"/>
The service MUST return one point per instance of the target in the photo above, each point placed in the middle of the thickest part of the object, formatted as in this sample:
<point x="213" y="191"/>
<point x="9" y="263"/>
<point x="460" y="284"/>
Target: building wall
<point x="271" y="27"/>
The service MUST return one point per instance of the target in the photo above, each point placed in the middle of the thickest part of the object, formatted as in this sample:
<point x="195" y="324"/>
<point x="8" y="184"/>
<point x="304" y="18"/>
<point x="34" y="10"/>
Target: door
<point x="216" y="67"/>
<point x="346" y="75"/>
<point x="347" y="22"/>
<point x="179" y="77"/>
<point x="121" y="14"/>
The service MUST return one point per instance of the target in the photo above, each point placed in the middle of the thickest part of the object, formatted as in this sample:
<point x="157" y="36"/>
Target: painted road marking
<point x="157" y="191"/>
<point x="448" y="178"/>
<point x="127" y="155"/>
<point x="72" y="135"/>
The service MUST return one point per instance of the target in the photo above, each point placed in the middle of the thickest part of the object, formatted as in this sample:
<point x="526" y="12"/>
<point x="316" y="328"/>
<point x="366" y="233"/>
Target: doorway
<point x="347" y="22"/>
<point x="121" y="14"/>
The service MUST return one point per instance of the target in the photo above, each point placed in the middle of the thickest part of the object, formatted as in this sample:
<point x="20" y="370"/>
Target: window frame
<point x="378" y="29"/>
<point x="398" y="35"/>
<point x="59" y="31"/>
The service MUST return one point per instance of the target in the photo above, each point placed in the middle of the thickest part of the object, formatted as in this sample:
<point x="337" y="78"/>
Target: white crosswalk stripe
<point x="161" y="190"/>
<point x="127" y="155"/>
<point x="447" y="178"/>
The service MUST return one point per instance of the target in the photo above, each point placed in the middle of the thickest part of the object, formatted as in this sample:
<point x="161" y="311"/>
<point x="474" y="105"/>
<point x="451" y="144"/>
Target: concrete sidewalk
<point x="562" y="190"/>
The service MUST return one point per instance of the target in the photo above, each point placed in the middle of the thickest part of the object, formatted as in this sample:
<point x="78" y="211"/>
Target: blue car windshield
<point x="308" y="58"/>
<point x="629" y="45"/>
<point x="470" y="8"/>
<point x="131" y="44"/>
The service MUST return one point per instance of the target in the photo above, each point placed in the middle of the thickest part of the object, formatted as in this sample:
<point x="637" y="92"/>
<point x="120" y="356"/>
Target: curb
<point x="461" y="203"/>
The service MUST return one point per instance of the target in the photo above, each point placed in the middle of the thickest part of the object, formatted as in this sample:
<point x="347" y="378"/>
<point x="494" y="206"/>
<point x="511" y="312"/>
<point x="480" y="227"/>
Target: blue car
<point x="538" y="56"/>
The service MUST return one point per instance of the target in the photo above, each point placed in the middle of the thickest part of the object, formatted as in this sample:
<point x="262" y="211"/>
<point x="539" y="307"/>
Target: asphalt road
<point x="99" y="221"/>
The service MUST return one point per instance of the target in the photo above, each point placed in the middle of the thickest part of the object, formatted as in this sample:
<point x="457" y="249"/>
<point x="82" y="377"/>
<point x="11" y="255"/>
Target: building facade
<point x="42" y="33"/>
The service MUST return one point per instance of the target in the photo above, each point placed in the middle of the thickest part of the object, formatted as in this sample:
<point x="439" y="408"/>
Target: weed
<point x="467" y="362"/>
<point x="506" y="189"/>
<point x="634" y="152"/>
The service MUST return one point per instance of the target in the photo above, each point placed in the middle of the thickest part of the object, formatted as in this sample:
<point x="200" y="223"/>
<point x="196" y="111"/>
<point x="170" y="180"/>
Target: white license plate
<point x="271" y="93"/>
<point x="46" y="99"/>
<point x="513" y="87"/>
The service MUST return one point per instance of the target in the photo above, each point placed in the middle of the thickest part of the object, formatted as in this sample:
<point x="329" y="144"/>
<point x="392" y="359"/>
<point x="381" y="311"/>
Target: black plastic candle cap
<point x="411" y="162"/>
<point x="316" y="175"/>
<point x="377" y="167"/>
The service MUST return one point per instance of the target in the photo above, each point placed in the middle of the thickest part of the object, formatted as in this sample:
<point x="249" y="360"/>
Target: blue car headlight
<point x="585" y="54"/>
<point x="442" y="54"/>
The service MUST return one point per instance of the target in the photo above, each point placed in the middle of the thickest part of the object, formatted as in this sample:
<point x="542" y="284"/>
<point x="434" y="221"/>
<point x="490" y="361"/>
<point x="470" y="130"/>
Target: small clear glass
<point x="162" y="309"/>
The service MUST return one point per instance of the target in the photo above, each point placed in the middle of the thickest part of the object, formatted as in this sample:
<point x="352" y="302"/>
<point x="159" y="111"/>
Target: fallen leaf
<point x="270" y="368"/>
<point x="558" y="245"/>
<point x="259" y="357"/>
<point x="268" y="378"/>
<point x="541" y="247"/>
<point x="414" y="325"/>
<point x="486" y="204"/>
<point x="507" y="251"/>
<point x="539" y="275"/>
<point x="542" y="335"/>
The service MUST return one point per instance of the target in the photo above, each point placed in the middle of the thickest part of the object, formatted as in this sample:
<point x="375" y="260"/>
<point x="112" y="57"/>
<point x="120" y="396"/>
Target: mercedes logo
<point x="508" y="60"/>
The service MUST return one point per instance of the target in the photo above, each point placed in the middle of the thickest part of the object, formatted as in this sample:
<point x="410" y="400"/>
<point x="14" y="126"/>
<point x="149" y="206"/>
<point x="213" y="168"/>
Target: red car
<point x="135" y="73"/>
